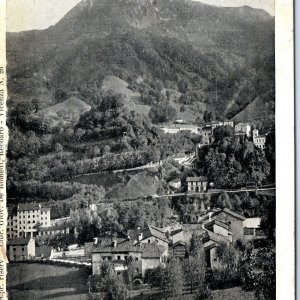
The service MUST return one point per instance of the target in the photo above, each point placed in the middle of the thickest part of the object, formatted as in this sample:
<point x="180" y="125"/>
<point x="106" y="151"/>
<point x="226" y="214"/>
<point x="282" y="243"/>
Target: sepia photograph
<point x="141" y="160"/>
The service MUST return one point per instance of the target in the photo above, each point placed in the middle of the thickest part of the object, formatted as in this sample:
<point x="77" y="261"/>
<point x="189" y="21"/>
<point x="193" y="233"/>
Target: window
<point x="42" y="218"/>
<point x="136" y="259"/>
<point x="149" y="241"/>
<point x="23" y="227"/>
<point x="28" y="216"/>
<point x="28" y="222"/>
<point x="33" y="221"/>
<point x="20" y="222"/>
<point x="23" y="249"/>
<point x="119" y="257"/>
<point x="14" y="249"/>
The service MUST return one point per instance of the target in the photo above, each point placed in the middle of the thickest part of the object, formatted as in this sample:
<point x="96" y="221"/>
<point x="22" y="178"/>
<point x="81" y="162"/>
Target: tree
<point x="60" y="96"/>
<point x="132" y="271"/>
<point x="110" y="284"/>
<point x="265" y="281"/>
<point x="183" y="86"/>
<point x="194" y="266"/>
<point x="222" y="132"/>
<point x="173" y="278"/>
<point x="162" y="112"/>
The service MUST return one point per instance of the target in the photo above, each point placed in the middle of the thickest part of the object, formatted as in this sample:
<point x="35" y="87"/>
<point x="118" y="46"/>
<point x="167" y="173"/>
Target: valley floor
<point x="40" y="281"/>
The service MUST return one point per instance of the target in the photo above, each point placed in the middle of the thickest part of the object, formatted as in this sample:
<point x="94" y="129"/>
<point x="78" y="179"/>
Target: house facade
<point x="21" y="248"/>
<point x="206" y="135"/>
<point x="25" y="220"/>
<point x="242" y="129"/>
<point x="197" y="184"/>
<point x="259" y="140"/>
<point x="252" y="230"/>
<point x="234" y="221"/>
<point x="119" y="252"/>
<point x="179" y="250"/>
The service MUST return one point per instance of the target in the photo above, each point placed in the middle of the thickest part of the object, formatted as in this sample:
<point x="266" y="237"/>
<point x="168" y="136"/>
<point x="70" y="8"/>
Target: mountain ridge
<point x="165" y="40"/>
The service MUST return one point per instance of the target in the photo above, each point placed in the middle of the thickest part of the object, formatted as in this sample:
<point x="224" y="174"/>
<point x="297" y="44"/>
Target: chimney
<point x="95" y="241"/>
<point x="114" y="243"/>
<point x="209" y="216"/>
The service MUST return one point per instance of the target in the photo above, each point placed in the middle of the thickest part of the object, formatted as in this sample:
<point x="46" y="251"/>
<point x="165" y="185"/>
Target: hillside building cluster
<point x="149" y="247"/>
<point x="207" y="131"/>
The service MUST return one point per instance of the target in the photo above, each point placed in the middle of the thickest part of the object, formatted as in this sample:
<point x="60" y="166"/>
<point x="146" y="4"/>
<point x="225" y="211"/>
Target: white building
<point x="259" y="140"/>
<point x="197" y="184"/>
<point x="181" y="127"/>
<point x="26" y="220"/>
<point x="242" y="129"/>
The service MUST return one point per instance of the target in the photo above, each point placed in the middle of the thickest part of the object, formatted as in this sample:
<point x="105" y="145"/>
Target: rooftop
<point x="28" y="206"/>
<point x="122" y="245"/>
<point x="217" y="222"/>
<point x="197" y="179"/>
<point x="19" y="241"/>
<point x="227" y="211"/>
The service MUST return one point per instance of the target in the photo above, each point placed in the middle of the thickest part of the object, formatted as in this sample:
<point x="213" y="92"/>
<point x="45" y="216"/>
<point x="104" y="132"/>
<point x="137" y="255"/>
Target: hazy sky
<point x="40" y="14"/>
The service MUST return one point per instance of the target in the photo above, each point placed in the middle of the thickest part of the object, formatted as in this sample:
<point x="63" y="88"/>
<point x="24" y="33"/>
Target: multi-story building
<point x="242" y="129"/>
<point x="197" y="184"/>
<point x="206" y="134"/>
<point x="21" y="248"/>
<point x="259" y="140"/>
<point x="26" y="220"/>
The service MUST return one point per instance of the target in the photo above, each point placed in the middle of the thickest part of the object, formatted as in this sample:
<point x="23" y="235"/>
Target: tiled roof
<point x="150" y="250"/>
<point x="217" y="222"/>
<point x="209" y="235"/>
<point x="154" y="231"/>
<point x="199" y="178"/>
<point x="178" y="243"/>
<point x="45" y="209"/>
<point x="122" y="245"/>
<point x="28" y="206"/>
<point x="147" y="232"/>
<point x="175" y="231"/>
<point x="226" y="210"/>
<point x="19" y="241"/>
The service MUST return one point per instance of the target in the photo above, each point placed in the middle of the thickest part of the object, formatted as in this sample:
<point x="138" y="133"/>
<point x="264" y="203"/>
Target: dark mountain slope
<point x="166" y="40"/>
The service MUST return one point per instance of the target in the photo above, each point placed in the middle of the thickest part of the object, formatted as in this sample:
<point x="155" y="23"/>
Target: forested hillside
<point x="220" y="57"/>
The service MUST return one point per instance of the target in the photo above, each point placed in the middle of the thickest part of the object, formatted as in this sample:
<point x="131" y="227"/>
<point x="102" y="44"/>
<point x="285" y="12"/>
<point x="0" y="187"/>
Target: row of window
<point x="198" y="183"/>
<point x="119" y="257"/>
<point x="14" y="249"/>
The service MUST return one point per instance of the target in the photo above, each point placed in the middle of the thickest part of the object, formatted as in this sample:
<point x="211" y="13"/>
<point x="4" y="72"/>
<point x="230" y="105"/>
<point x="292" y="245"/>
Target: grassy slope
<point x="126" y="185"/>
<point x="37" y="281"/>
<point x="256" y="109"/>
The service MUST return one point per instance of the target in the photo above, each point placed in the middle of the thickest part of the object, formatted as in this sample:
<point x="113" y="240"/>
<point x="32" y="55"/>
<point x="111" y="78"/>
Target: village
<point x="147" y="248"/>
